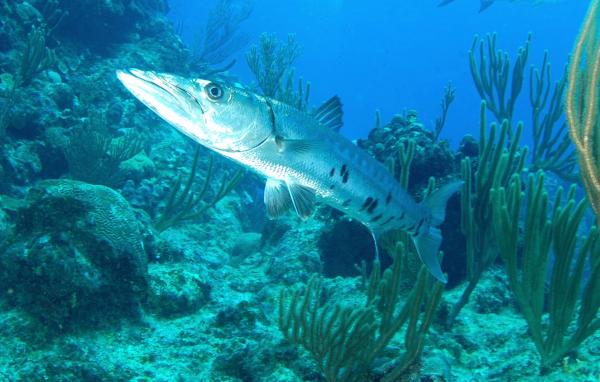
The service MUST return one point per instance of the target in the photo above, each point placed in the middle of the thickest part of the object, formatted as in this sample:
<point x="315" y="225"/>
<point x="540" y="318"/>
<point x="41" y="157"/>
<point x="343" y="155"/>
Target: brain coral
<point x="77" y="255"/>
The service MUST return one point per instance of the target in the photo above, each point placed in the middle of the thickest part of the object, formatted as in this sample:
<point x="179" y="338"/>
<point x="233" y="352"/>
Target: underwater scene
<point x="299" y="190"/>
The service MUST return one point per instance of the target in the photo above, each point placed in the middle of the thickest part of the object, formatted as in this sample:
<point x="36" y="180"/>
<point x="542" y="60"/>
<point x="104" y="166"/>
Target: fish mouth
<point x="165" y="94"/>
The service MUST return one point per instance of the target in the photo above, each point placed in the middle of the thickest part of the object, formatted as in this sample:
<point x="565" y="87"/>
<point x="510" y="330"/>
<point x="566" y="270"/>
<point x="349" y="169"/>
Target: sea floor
<point x="234" y="335"/>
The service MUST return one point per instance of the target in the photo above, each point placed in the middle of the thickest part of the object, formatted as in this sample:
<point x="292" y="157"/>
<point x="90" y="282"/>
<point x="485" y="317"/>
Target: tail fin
<point x="428" y="242"/>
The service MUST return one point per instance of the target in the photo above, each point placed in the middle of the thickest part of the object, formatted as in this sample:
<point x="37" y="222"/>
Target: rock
<point x="173" y="291"/>
<point x="138" y="167"/>
<point x="246" y="244"/>
<point x="28" y="13"/>
<point x="77" y="255"/>
<point x="22" y="164"/>
<point x="5" y="226"/>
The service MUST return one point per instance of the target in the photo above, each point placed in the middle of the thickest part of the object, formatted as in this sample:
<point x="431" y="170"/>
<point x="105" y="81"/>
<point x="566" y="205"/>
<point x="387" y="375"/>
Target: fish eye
<point x="214" y="91"/>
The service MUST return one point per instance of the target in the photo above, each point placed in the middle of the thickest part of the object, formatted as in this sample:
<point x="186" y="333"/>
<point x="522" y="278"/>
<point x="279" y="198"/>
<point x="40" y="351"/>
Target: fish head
<point x="222" y="117"/>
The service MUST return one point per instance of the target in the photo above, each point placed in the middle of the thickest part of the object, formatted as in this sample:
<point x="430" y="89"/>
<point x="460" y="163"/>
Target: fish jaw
<point x="221" y="117"/>
<point x="175" y="99"/>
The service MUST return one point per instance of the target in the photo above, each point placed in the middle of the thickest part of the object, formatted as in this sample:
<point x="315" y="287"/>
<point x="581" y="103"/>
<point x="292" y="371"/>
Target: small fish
<point x="485" y="4"/>
<point x="302" y="155"/>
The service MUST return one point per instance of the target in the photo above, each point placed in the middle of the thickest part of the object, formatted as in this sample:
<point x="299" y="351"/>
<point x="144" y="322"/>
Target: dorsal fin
<point x="329" y="114"/>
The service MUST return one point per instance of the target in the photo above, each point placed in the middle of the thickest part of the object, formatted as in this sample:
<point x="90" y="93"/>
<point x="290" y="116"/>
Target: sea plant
<point x="549" y="236"/>
<point x="94" y="156"/>
<point x="297" y="96"/>
<point x="345" y="340"/>
<point x="188" y="203"/>
<point x="8" y="101"/>
<point x="399" y="166"/>
<point x="492" y="73"/>
<point x="447" y="99"/>
<point x="271" y="60"/>
<point x="222" y="37"/>
<point x="35" y="58"/>
<point x="496" y="162"/>
<point x="552" y="150"/>
<point x="583" y="103"/>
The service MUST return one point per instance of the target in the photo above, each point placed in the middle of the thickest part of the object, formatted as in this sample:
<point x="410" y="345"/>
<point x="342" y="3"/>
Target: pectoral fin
<point x="303" y="199"/>
<point x="277" y="198"/>
<point x="280" y="196"/>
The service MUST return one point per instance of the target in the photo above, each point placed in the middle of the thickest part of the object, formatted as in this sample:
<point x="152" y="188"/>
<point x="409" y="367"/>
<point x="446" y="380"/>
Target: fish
<point x="302" y="155"/>
<point x="485" y="4"/>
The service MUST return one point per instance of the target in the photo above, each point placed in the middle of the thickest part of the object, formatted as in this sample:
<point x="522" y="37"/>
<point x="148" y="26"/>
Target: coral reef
<point x="431" y="158"/>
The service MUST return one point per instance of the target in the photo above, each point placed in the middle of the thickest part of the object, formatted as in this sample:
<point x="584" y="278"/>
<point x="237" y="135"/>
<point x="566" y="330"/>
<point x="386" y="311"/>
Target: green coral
<point x="550" y="231"/>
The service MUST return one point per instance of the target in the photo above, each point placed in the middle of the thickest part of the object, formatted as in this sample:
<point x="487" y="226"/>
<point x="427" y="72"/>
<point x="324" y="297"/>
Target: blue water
<point x="392" y="55"/>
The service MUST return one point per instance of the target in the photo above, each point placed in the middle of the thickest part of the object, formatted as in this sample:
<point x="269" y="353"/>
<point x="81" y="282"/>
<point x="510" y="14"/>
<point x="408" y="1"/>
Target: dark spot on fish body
<point x="402" y="216"/>
<point x="417" y="228"/>
<point x="388" y="220"/>
<point x="375" y="218"/>
<point x="332" y="172"/>
<point x="346" y="202"/>
<point x="372" y="206"/>
<point x="367" y="202"/>
<point x="345" y="177"/>
<point x="388" y="198"/>
<point x="344" y="173"/>
<point x="332" y="187"/>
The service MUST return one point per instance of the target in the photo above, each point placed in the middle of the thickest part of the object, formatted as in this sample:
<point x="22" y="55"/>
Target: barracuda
<point x="302" y="156"/>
